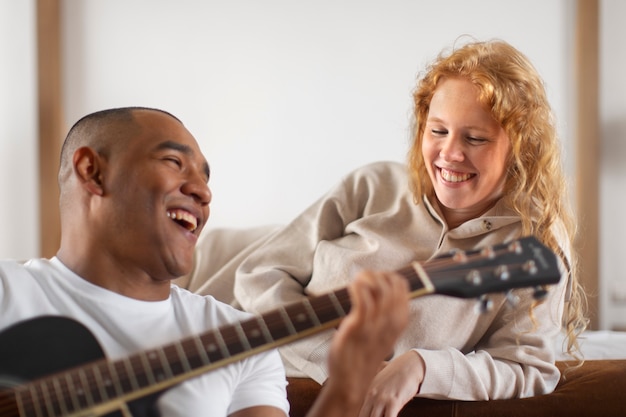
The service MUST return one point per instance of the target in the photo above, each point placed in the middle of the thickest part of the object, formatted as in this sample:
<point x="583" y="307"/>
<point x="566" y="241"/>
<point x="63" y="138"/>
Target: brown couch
<point x="597" y="388"/>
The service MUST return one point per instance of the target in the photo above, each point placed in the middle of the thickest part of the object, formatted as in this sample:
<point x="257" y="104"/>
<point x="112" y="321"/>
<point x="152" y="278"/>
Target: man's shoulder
<point x="11" y="267"/>
<point x="188" y="300"/>
<point x="12" y="263"/>
<point x="182" y="295"/>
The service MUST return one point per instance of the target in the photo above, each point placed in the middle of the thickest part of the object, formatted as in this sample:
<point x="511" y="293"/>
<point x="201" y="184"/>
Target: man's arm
<point x="379" y="314"/>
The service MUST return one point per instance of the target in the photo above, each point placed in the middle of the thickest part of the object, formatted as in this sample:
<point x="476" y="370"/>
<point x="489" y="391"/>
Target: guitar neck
<point x="103" y="385"/>
<point x="100" y="387"/>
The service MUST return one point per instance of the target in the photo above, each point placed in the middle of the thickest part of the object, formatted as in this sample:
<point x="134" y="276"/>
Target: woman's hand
<point x="379" y="314"/>
<point x="394" y="386"/>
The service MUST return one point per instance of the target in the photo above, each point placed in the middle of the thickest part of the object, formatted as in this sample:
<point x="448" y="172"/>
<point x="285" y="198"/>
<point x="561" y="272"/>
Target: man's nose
<point x="197" y="187"/>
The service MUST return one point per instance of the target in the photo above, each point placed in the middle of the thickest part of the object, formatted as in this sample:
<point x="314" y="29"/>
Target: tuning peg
<point x="503" y="273"/>
<point x="540" y="293"/>
<point x="530" y="267"/>
<point x="516" y="247"/>
<point x="488" y="252"/>
<point x="484" y="304"/>
<point x="459" y="256"/>
<point x="473" y="277"/>
<point x="511" y="299"/>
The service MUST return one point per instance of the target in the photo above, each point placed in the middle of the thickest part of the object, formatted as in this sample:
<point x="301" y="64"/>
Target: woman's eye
<point x="476" y="140"/>
<point x="438" y="132"/>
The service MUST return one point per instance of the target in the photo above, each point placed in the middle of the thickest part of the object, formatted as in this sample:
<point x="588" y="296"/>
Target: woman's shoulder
<point x="380" y="172"/>
<point x="382" y="167"/>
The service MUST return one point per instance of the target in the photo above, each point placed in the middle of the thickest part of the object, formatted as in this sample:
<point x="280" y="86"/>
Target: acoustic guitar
<point x="52" y="366"/>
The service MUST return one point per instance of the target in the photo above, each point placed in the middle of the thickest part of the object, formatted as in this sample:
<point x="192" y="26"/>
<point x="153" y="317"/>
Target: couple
<point x="483" y="169"/>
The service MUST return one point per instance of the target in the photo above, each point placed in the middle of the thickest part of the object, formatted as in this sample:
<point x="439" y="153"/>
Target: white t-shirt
<point x="124" y="326"/>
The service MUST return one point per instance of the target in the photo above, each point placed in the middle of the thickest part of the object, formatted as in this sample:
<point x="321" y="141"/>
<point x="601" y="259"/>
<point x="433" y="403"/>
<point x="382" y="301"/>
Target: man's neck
<point x="129" y="282"/>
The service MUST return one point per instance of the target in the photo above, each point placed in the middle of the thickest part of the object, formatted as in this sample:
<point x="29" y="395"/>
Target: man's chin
<point x="179" y="267"/>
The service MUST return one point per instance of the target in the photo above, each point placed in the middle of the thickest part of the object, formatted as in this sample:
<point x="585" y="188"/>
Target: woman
<point x="484" y="168"/>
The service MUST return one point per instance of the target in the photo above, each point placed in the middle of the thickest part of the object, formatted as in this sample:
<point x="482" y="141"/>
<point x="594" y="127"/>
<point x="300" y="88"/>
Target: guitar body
<point x="46" y="345"/>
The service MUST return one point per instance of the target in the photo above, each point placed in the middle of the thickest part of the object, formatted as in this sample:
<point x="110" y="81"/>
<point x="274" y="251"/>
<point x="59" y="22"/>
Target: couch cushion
<point x="218" y="255"/>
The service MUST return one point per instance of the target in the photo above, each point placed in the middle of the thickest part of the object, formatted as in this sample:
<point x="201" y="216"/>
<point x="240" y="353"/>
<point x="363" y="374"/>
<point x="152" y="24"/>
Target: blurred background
<point x="285" y="97"/>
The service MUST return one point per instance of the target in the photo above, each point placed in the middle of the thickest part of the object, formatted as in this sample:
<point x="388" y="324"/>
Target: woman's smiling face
<point x="465" y="151"/>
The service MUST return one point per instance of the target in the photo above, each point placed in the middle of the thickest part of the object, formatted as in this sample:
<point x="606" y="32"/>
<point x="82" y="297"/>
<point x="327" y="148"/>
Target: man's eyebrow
<point x="176" y="146"/>
<point x="170" y="144"/>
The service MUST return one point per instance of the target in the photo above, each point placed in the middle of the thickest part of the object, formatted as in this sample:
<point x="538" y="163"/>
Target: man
<point x="134" y="198"/>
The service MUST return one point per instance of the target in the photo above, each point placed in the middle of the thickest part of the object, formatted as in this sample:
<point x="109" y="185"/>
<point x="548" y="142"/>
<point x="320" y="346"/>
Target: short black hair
<point x="86" y="131"/>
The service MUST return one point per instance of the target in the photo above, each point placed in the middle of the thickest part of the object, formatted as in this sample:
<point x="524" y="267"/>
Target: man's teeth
<point x="452" y="176"/>
<point x="184" y="218"/>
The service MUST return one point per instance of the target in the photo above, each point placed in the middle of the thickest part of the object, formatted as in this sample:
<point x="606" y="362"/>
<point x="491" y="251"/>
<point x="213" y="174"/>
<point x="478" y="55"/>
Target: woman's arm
<point x="514" y="359"/>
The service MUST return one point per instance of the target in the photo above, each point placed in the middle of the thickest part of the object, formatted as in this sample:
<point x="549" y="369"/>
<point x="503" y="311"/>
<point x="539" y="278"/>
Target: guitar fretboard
<point x="103" y="385"/>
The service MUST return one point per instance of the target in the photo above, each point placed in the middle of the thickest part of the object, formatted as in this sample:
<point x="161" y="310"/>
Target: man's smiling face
<point x="158" y="202"/>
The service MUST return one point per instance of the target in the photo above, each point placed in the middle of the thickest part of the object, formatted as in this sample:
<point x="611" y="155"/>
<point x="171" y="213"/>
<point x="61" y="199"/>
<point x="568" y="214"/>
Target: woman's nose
<point x="452" y="149"/>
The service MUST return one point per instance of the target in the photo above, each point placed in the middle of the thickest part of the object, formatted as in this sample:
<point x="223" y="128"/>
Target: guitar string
<point x="137" y="360"/>
<point x="134" y="362"/>
<point x="122" y="381"/>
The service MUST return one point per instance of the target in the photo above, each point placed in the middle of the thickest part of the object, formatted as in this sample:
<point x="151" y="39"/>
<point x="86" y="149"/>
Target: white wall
<point x="284" y="97"/>
<point x="19" y="221"/>
<point x="613" y="165"/>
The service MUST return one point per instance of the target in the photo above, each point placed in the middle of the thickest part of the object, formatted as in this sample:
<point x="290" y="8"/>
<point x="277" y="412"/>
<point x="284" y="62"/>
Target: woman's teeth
<point x="452" y="176"/>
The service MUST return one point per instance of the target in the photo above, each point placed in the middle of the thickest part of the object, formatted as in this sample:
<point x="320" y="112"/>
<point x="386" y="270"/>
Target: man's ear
<point x="89" y="168"/>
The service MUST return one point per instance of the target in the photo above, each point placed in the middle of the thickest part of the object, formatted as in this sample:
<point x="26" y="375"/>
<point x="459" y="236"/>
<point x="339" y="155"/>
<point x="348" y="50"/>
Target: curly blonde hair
<point x="535" y="187"/>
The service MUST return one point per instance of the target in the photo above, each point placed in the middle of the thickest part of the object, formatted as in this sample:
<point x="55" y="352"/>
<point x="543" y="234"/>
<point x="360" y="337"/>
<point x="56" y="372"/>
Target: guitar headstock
<point x="525" y="262"/>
